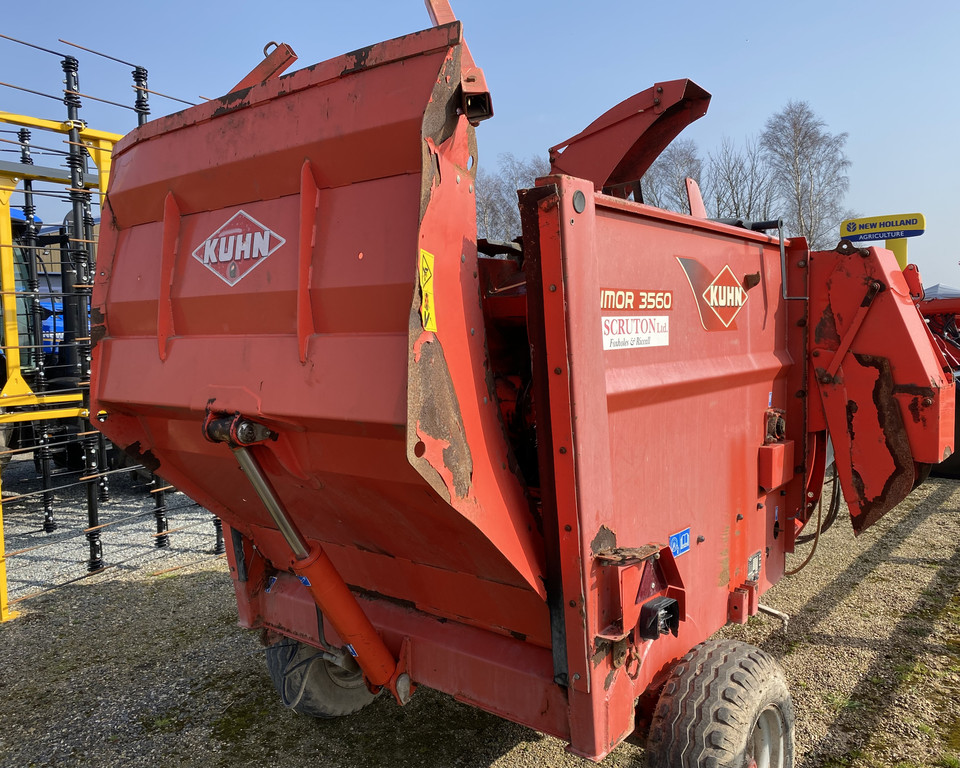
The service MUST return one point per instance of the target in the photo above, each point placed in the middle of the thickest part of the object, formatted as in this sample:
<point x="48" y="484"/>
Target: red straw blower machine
<point x="537" y="476"/>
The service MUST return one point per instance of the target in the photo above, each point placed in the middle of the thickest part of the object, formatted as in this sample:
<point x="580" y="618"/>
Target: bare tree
<point x="498" y="216"/>
<point x="809" y="167"/>
<point x="664" y="184"/>
<point x="740" y="182"/>
<point x="493" y="211"/>
<point x="796" y="170"/>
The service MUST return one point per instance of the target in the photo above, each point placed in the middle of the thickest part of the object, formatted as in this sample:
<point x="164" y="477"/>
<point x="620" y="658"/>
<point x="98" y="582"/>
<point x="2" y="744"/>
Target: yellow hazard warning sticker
<point x="428" y="310"/>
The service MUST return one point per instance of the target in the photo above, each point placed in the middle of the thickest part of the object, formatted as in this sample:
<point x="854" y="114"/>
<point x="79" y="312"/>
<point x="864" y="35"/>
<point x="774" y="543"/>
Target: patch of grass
<point x="953" y="735"/>
<point x="948" y="761"/>
<point x="844" y="761"/>
<point x="794" y="645"/>
<point x="841" y="703"/>
<point x="161" y="724"/>
<point x="240" y="716"/>
<point x="913" y="673"/>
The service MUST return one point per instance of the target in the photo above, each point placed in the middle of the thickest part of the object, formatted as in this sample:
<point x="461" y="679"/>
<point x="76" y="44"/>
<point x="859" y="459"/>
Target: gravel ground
<point x="37" y="561"/>
<point x="143" y="665"/>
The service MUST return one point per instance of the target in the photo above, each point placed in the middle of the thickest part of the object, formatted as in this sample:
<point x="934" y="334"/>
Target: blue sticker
<point x="680" y="542"/>
<point x="304" y="580"/>
<point x="352" y="651"/>
<point x="270" y="582"/>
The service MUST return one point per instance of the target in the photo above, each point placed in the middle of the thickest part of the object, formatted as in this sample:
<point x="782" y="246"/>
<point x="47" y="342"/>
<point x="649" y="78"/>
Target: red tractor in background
<point x="535" y="476"/>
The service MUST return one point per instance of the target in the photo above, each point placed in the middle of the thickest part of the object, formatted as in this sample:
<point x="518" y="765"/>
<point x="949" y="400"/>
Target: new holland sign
<point x="883" y="227"/>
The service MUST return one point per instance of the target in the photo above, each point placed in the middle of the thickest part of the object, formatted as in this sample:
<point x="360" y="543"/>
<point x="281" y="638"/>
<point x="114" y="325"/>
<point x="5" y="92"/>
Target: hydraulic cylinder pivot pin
<point x="310" y="563"/>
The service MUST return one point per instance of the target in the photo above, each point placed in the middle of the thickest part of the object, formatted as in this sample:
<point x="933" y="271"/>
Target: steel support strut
<point x="311" y="565"/>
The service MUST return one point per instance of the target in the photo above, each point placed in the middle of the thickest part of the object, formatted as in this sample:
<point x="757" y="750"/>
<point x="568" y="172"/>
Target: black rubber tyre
<point x="311" y="685"/>
<point x="725" y="705"/>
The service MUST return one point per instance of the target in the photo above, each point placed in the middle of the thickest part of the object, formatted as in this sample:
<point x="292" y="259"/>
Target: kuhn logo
<point x="237" y="248"/>
<point x="725" y="296"/>
<point x="719" y="298"/>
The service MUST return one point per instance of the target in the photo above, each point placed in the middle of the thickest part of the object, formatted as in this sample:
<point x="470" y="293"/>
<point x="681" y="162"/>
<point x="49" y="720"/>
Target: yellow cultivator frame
<point x="16" y="393"/>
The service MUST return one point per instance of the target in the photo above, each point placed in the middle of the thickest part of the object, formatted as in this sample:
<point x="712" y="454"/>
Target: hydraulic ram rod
<point x="267" y="495"/>
<point x="312" y="566"/>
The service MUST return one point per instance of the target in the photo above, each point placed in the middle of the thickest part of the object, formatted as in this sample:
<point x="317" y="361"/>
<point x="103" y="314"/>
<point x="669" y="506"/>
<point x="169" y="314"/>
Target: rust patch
<point x="914" y="408"/>
<point x="900" y="482"/>
<point x="98" y="328"/>
<point x="609" y="679"/>
<point x="238" y="95"/>
<point x="436" y="442"/>
<point x="232" y="102"/>
<point x="913" y="389"/>
<point x="439" y="123"/>
<point x="602" y="649"/>
<point x="604" y="540"/>
<point x="826" y="329"/>
<point x="359" y="58"/>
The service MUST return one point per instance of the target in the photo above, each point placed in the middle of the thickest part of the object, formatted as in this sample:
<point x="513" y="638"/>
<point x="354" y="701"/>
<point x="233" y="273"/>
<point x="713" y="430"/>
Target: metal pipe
<point x="103" y="484"/>
<point x="329" y="591"/>
<point x="36" y="147"/>
<point x="219" y="545"/>
<point x="102" y="101"/>
<point x="80" y="255"/>
<point x="783" y="267"/>
<point x="31" y="45"/>
<point x="36" y="351"/>
<point x="785" y="618"/>
<point x="97" y="53"/>
<point x="35" y="355"/>
<point x="260" y="483"/>
<point x="166" y="96"/>
<point x="32" y="288"/>
<point x="161" y="540"/>
<point x="29" y="90"/>
<point x="141" y="105"/>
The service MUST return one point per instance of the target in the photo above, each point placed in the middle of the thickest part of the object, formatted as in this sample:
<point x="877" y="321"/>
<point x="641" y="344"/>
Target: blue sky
<point x="881" y="71"/>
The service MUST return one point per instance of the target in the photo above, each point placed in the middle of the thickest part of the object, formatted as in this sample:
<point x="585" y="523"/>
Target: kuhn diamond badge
<point x="237" y="248"/>
<point x="725" y="296"/>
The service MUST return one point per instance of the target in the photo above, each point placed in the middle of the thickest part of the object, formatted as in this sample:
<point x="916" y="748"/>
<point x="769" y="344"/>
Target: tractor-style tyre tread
<point x="310" y="685"/>
<point x="710" y="704"/>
